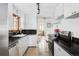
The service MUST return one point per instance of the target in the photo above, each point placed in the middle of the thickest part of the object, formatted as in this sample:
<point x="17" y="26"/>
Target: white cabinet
<point x="22" y="45"/>
<point x="70" y="9"/>
<point x="25" y="42"/>
<point x="59" y="10"/>
<point x="32" y="40"/>
<point x="30" y="22"/>
<point x="58" y="51"/>
<point x="67" y="9"/>
<point x="20" y="48"/>
<point x="13" y="51"/>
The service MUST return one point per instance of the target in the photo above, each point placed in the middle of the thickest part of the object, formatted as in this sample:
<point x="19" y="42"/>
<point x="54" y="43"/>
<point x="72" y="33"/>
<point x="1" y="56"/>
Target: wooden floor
<point x="31" y="52"/>
<point x="41" y="49"/>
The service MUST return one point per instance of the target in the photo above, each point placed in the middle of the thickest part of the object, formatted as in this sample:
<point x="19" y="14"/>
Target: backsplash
<point x="70" y="25"/>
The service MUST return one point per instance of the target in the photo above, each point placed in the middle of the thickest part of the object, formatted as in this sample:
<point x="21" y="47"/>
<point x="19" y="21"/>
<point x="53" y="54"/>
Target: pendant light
<point x="38" y="4"/>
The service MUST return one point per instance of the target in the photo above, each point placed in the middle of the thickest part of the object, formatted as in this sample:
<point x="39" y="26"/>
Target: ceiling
<point x="46" y="9"/>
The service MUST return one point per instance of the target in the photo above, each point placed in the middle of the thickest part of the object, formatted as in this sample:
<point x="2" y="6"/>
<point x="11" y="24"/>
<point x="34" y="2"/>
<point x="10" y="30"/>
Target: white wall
<point x="70" y="25"/>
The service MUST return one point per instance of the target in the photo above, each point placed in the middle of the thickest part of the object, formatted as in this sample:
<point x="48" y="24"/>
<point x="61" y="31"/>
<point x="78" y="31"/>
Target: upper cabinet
<point x="71" y="10"/>
<point x="67" y="10"/>
<point x="59" y="12"/>
<point x="30" y="22"/>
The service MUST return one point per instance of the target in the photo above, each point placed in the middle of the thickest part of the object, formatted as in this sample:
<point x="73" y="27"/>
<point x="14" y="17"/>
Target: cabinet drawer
<point x="56" y="52"/>
<point x="59" y="50"/>
<point x="13" y="51"/>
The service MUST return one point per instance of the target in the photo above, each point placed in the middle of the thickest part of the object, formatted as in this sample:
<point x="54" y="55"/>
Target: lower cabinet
<point x="32" y="40"/>
<point x="20" y="49"/>
<point x="22" y="45"/>
<point x="58" y="51"/>
<point x="13" y="51"/>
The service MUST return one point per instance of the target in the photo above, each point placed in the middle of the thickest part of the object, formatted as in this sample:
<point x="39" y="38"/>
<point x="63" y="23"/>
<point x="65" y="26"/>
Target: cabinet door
<point x="32" y="40"/>
<point x="22" y="45"/>
<point x="31" y="22"/>
<point x="25" y="44"/>
<point x="58" y="51"/>
<point x="13" y="51"/>
<point x="70" y="9"/>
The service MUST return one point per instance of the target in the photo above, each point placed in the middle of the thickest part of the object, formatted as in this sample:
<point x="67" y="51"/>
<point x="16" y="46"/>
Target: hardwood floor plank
<point x="32" y="52"/>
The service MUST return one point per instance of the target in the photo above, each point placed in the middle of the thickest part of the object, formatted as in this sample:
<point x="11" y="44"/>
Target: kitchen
<point x="36" y="36"/>
<point x="42" y="29"/>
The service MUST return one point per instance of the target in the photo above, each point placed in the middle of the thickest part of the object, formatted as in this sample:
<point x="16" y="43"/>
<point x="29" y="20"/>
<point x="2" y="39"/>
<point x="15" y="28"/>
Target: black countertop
<point x="13" y="41"/>
<point x="73" y="50"/>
